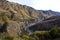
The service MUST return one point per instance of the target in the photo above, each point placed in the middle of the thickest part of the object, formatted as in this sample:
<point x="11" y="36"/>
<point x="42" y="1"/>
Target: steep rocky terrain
<point x="45" y="25"/>
<point x="15" y="17"/>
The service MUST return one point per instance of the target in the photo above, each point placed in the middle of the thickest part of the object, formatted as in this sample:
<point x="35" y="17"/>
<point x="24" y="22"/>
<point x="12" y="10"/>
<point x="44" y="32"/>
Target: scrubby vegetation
<point x="53" y="34"/>
<point x="4" y="18"/>
<point x="5" y="36"/>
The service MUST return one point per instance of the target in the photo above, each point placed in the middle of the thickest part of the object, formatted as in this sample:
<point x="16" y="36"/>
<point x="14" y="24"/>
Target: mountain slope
<point x="15" y="17"/>
<point x="45" y="25"/>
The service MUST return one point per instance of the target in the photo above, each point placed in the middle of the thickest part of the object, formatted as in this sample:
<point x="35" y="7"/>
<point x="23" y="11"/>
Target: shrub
<point x="55" y="32"/>
<point x="5" y="18"/>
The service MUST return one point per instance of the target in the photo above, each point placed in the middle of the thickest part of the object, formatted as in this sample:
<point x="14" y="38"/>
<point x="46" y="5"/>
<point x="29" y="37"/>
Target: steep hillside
<point x="15" y="17"/>
<point x="45" y="25"/>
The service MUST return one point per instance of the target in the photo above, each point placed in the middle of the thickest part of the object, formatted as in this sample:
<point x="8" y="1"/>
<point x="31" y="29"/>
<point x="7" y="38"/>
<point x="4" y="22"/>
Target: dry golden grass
<point x="40" y="32"/>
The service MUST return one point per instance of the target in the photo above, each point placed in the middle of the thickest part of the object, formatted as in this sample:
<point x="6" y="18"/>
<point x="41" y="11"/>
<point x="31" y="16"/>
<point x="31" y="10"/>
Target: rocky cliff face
<point x="17" y="17"/>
